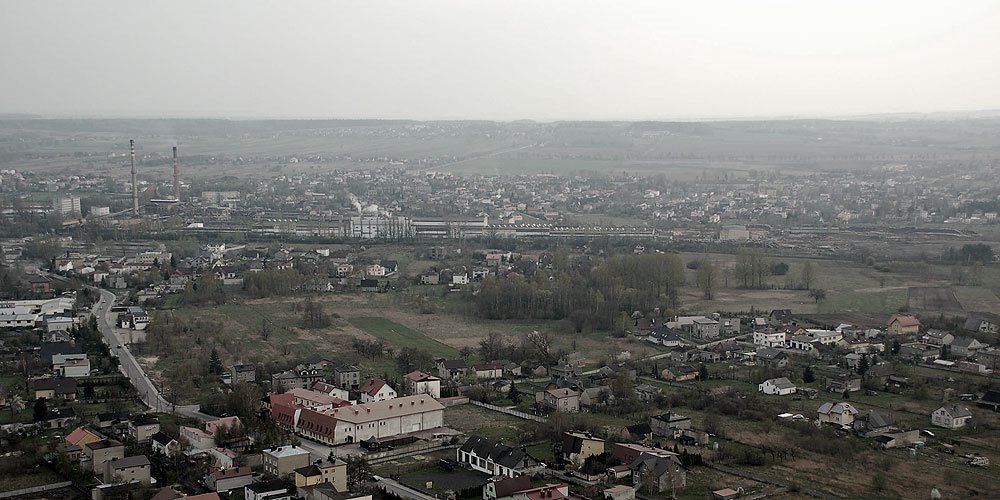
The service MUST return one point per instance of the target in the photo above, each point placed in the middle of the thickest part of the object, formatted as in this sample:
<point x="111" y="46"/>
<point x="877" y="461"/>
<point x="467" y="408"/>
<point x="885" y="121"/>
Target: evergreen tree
<point x="215" y="363"/>
<point x="863" y="364"/>
<point x="808" y="376"/>
<point x="40" y="412"/>
<point x="514" y="394"/>
<point x="703" y="372"/>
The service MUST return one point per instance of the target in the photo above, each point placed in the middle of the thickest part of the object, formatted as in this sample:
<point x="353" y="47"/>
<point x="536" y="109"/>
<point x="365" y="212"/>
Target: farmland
<point x="402" y="337"/>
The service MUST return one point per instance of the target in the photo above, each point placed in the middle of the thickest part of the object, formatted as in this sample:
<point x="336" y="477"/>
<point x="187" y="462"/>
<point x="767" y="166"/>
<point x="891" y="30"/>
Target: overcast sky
<point x="498" y="59"/>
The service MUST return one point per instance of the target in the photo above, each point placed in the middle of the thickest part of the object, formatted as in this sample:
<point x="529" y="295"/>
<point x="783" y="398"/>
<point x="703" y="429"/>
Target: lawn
<point x="402" y="336"/>
<point x="475" y="420"/>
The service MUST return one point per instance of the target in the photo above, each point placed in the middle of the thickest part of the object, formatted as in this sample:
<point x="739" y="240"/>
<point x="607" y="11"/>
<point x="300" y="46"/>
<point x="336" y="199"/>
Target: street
<point x="403" y="491"/>
<point x="128" y="365"/>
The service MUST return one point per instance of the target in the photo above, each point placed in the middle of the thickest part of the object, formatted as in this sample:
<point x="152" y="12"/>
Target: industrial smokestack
<point x="177" y="178"/>
<point x="135" y="187"/>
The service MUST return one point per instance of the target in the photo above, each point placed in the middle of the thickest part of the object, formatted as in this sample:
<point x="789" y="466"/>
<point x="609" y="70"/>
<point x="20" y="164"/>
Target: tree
<point x="514" y="395"/>
<point x="863" y="364"/>
<point x="808" y="376"/>
<point x="40" y="412"/>
<point x="358" y="472"/>
<point x="703" y="372"/>
<point x="818" y="294"/>
<point x="708" y="279"/>
<point x="808" y="276"/>
<point x="265" y="330"/>
<point x="313" y="315"/>
<point x="846" y="394"/>
<point x="215" y="363"/>
<point x="779" y="269"/>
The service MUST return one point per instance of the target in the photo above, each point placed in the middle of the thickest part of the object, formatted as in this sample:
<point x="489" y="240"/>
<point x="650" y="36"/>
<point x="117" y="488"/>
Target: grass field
<point x="493" y="425"/>
<point x="402" y="336"/>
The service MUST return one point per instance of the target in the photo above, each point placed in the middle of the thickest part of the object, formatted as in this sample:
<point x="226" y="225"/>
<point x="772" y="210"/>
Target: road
<point x="403" y="491"/>
<point x="117" y="341"/>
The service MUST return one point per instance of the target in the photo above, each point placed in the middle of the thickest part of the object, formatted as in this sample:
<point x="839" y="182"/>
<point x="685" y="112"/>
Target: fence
<point x="35" y="489"/>
<point x="384" y="456"/>
<point x="762" y="479"/>
<point x="508" y="411"/>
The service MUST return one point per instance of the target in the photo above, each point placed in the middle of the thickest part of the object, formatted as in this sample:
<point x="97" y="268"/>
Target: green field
<point x="403" y="337"/>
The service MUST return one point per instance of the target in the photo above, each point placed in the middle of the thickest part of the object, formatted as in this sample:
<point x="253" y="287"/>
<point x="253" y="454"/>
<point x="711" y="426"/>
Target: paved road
<point x="117" y="341"/>
<point x="403" y="491"/>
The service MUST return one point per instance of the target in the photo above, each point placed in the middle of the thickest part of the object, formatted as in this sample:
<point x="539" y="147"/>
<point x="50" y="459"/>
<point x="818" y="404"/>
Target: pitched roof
<point x="419" y="376"/>
<point x="957" y="411"/>
<point x="372" y="386"/>
<point x="563" y="393"/>
<point x="509" y="486"/>
<point x="828" y="408"/>
<point x="502" y="454"/>
<point x="79" y="434"/>
<point x="904" y="320"/>
<point x="162" y="438"/>
<point x="231" y="472"/>
<point x="378" y="410"/>
<point x="781" y="383"/>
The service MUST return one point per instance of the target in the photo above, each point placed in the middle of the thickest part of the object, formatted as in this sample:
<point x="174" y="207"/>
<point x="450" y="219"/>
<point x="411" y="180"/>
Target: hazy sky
<point x="498" y="59"/>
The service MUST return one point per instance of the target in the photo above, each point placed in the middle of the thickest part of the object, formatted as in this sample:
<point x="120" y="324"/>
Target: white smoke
<point x="355" y="202"/>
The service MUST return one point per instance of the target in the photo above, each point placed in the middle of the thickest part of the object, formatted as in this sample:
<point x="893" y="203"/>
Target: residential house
<point x="980" y="325"/>
<point x="55" y="388"/>
<point x="951" y="416"/>
<point x="302" y="378"/>
<point x="562" y="400"/>
<point x="596" y="396"/>
<point x="489" y="371"/>
<point x="843" y="382"/>
<point x="777" y="386"/>
<point x="418" y="382"/>
<point x="197" y="438"/>
<point x="619" y="492"/>
<point x="243" y="373"/>
<point x="375" y="270"/>
<point x="81" y="436"/>
<point x="142" y="427"/>
<point x="872" y="424"/>
<point x="229" y="479"/>
<point x="452" y="369"/>
<point x="902" y="324"/>
<point x="782" y="317"/>
<point x="323" y="471"/>
<point x="331" y="390"/>
<point x="267" y="490"/>
<point x="504" y="489"/>
<point x="99" y="453"/>
<point x="459" y="279"/>
<point x="647" y="392"/>
<point x="658" y="473"/>
<point x="667" y="424"/>
<point x="369" y="285"/>
<point x="163" y="444"/>
<point x="129" y="469"/>
<point x="919" y="352"/>
<point x="666" y="337"/>
<point x="937" y="337"/>
<point x="729" y="325"/>
<point x="495" y="459"/>
<point x="347" y="377"/>
<point x="430" y="278"/>
<point x="564" y="371"/>
<point x="990" y="400"/>
<point x="281" y="461"/>
<point x="375" y="390"/>
<point x="771" y="358"/>
<point x="770" y="338"/>
<point x="578" y="446"/>
<point x="680" y="373"/>
<point x="837" y="413"/>
<point x="989" y="357"/>
<point x="696" y="326"/>
<point x="965" y="347"/>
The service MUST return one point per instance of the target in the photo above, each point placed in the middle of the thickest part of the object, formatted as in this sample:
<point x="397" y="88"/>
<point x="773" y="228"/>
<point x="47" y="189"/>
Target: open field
<point x="402" y="336"/>
<point x="977" y="299"/>
<point x="489" y="424"/>
<point x="933" y="299"/>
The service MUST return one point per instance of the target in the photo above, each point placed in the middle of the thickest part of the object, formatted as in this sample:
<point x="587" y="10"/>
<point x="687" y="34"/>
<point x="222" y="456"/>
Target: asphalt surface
<point x="117" y="341"/>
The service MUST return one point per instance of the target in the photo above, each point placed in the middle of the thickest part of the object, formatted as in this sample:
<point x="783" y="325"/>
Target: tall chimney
<point x="177" y="178"/>
<point x="135" y="187"/>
